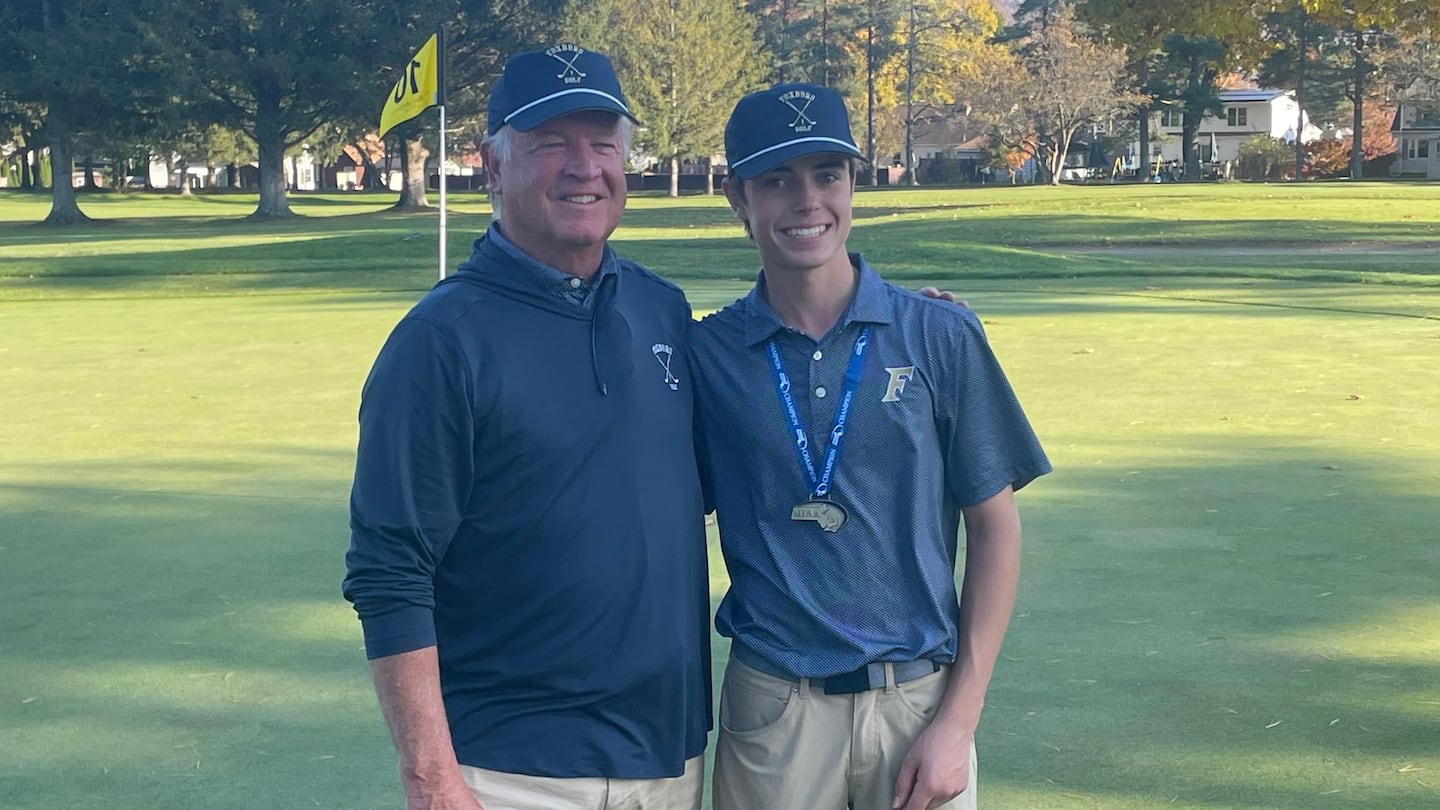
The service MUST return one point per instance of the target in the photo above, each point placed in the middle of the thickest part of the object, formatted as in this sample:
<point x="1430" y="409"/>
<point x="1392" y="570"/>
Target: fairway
<point x="1229" y="594"/>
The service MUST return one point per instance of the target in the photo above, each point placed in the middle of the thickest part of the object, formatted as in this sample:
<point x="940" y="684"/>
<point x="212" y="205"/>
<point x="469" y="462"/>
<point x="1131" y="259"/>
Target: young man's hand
<point x="944" y="295"/>
<point x="937" y="768"/>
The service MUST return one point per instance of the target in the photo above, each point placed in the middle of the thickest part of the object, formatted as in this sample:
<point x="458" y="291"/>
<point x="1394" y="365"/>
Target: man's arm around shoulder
<point x="408" y="686"/>
<point x="937" y="767"/>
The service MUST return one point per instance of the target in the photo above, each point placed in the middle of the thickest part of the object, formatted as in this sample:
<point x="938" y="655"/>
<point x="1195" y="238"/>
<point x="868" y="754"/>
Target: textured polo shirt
<point x="934" y="427"/>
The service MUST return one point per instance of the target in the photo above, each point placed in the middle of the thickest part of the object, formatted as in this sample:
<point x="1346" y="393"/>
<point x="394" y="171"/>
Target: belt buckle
<point x="849" y="683"/>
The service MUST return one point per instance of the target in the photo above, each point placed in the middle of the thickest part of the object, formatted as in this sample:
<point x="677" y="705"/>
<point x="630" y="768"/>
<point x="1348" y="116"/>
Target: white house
<point x="1246" y="113"/>
<point x="1416" y="128"/>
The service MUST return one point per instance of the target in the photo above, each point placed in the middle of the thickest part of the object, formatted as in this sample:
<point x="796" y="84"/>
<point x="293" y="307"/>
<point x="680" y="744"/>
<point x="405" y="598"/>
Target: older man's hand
<point x="943" y="295"/>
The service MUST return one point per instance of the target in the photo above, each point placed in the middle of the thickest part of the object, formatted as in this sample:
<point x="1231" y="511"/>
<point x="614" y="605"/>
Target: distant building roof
<point x="1264" y="94"/>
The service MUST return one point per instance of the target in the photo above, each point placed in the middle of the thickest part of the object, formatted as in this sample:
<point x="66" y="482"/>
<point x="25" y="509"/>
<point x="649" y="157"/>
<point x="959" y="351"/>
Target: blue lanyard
<point x="820" y="486"/>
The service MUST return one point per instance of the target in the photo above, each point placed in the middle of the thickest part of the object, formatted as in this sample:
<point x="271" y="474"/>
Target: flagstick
<point x="442" y="192"/>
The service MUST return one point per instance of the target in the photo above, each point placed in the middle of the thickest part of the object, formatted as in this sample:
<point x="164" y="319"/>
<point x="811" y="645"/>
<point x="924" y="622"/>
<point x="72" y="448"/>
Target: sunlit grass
<point x="1228" y="594"/>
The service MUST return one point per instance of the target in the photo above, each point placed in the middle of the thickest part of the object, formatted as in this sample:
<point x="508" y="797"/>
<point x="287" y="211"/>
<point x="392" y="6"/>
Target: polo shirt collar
<point x="557" y="281"/>
<point x="871" y="304"/>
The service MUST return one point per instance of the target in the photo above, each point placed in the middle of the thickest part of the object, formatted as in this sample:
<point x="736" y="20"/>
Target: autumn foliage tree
<point x="1057" y="84"/>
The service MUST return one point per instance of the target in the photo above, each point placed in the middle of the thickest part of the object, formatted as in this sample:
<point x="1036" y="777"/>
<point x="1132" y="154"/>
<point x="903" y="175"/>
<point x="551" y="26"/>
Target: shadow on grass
<point x="1186" y="630"/>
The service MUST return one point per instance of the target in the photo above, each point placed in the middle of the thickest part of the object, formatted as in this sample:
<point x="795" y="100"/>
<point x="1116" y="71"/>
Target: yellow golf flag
<point x="418" y="89"/>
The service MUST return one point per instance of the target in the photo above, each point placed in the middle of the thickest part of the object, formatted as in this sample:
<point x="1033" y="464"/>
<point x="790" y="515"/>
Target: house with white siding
<point x="1416" y="127"/>
<point x="1245" y="113"/>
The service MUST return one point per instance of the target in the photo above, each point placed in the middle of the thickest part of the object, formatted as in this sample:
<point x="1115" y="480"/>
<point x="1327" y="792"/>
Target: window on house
<point x="1423" y="149"/>
<point x="1237" y="116"/>
<point x="1407" y="148"/>
<point x="1171" y="117"/>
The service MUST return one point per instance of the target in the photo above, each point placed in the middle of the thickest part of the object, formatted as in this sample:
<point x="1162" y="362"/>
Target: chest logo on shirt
<point x="898" y="377"/>
<point x="663" y="354"/>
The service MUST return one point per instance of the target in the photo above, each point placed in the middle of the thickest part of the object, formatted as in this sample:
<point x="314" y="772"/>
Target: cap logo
<point x="566" y="55"/>
<point x="799" y="101"/>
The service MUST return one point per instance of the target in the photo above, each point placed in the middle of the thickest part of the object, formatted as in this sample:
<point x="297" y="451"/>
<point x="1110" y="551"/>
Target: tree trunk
<point x="89" y="164"/>
<point x="709" y="179"/>
<point x="412" y="166"/>
<point x="1142" y="168"/>
<point x="232" y="175"/>
<point x="1189" y="130"/>
<point x="64" y="210"/>
<point x="870" y="97"/>
<point x="1357" y="121"/>
<point x="185" y="178"/>
<point x="1300" y="96"/>
<point x="270" y="138"/>
<point x="674" y="175"/>
<point x="910" y="178"/>
<point x="27" y="177"/>
<point x="1057" y="163"/>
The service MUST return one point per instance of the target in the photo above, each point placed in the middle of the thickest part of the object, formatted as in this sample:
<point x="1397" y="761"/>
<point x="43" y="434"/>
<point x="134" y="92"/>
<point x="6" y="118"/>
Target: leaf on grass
<point x="1133" y="621"/>
<point x="1410" y="767"/>
<point x="1229" y="710"/>
<point x="1325" y="594"/>
<point x="1333" y="723"/>
<point x="28" y="700"/>
<point x="1353" y="397"/>
<point x="1329" y="792"/>
<point x="1274" y="724"/>
<point x="324" y="757"/>
<point x="1332" y="466"/>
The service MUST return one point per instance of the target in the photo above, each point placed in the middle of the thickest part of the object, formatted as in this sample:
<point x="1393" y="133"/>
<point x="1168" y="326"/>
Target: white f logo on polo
<point x="799" y="101"/>
<point x="898" y="377"/>
<point x="566" y="55"/>
<point x="663" y="353"/>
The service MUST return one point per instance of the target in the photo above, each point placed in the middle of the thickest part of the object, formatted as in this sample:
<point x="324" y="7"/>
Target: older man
<point x="527" y="553"/>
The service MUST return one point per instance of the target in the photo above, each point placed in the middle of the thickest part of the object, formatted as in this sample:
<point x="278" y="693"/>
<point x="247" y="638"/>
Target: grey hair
<point x="499" y="147"/>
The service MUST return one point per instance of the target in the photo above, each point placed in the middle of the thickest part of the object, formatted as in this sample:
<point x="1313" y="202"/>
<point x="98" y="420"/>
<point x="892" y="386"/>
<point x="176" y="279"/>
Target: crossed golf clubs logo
<point x="803" y="122"/>
<point x="663" y="354"/>
<point x="571" y="74"/>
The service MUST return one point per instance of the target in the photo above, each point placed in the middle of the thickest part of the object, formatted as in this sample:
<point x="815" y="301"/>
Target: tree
<point x="944" y="50"/>
<point x="1058" y="83"/>
<point x="683" y="64"/>
<point x="281" y="68"/>
<point x="1191" y="66"/>
<point x="74" y="68"/>
<point x="1363" y="26"/>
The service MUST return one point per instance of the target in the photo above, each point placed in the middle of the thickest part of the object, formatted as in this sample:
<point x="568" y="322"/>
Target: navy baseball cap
<point x="773" y="126"/>
<point x="538" y="86"/>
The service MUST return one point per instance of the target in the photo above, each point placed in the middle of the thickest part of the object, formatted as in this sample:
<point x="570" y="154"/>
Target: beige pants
<point x="511" y="791"/>
<point x="786" y="746"/>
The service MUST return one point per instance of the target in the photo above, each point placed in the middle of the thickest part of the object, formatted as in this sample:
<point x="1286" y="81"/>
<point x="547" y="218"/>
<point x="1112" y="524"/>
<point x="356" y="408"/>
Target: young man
<point x="527" y="549"/>
<point x="856" y="678"/>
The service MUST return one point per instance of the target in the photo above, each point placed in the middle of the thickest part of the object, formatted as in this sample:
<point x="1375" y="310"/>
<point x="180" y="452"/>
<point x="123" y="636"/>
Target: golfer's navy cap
<point x="773" y="126"/>
<point x="538" y="86"/>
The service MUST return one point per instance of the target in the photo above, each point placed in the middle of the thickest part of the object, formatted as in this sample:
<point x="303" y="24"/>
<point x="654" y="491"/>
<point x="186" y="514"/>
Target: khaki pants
<point x="512" y="791"/>
<point x="787" y="746"/>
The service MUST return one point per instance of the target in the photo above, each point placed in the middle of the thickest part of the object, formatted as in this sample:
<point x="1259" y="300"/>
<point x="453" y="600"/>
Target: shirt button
<point x="574" y="283"/>
<point x="817" y="355"/>
<point x="820" y="392"/>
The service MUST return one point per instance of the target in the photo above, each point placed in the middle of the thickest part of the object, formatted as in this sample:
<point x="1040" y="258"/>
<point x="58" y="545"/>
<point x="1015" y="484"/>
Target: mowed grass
<point x="1229" y="588"/>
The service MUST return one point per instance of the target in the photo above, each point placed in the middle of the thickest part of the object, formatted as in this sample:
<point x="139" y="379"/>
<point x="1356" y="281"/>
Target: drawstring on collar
<point x="595" y="358"/>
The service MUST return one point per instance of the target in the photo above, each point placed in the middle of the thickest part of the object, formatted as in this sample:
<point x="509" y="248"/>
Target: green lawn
<point x="1229" y="598"/>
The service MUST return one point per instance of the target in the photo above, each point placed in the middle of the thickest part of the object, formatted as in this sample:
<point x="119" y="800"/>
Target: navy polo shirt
<point x="934" y="428"/>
